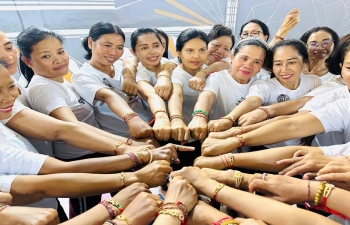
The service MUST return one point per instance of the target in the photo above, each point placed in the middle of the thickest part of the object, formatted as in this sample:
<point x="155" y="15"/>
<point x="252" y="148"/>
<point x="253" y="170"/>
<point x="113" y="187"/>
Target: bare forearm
<point x="118" y="105"/>
<point x="287" y="108"/>
<point x="66" y="185"/>
<point x="265" y="209"/>
<point x="129" y="66"/>
<point x="96" y="215"/>
<point x="175" y="105"/>
<point x="247" y="105"/>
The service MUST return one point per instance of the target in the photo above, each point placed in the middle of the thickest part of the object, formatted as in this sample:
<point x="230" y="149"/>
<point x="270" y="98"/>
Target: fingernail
<point x="317" y="178"/>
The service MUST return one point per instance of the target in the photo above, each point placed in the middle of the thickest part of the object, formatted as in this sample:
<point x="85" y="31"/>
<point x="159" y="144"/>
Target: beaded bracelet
<point x="319" y="193"/>
<point x="200" y="115"/>
<point x="226" y="221"/>
<point x="117" y="145"/>
<point x="129" y="75"/>
<point x="179" y="206"/>
<point x="268" y="115"/>
<point x="122" y="179"/>
<point x="307" y="205"/>
<point x="140" y="156"/>
<point x="174" y="214"/>
<point x="154" y="116"/>
<point x="129" y="141"/>
<point x="228" y="118"/>
<point x="200" y="111"/>
<point x="241" y="142"/>
<point x="242" y="129"/>
<point x="123" y="218"/>
<point x="176" y="117"/>
<point x="110" y="222"/>
<point x="231" y="159"/>
<point x="217" y="189"/>
<point x="163" y="75"/>
<point x="2" y="207"/>
<point x="238" y="178"/>
<point x="115" y="204"/>
<point x="223" y="161"/>
<point x="129" y="116"/>
<point x="109" y="208"/>
<point x="134" y="159"/>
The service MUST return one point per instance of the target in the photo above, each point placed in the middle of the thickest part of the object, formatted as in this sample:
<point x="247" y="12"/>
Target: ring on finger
<point x="264" y="176"/>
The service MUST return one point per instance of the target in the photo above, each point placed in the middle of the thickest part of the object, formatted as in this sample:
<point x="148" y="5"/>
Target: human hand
<point x="163" y="87"/>
<point x="162" y="128"/>
<point x="29" y="216"/>
<point x="213" y="162"/>
<point x="198" y="128"/>
<point x="154" y="174"/>
<point x="129" y="193"/>
<point x="219" y="125"/>
<point x="180" y="190"/>
<point x="211" y="214"/>
<point x="143" y="209"/>
<point x="242" y="221"/>
<point x="252" y="117"/>
<point x="338" y="173"/>
<point x="234" y="131"/>
<point x="197" y="83"/>
<point x="5" y="198"/>
<point x="194" y="175"/>
<point x="168" y="152"/>
<point x="291" y="19"/>
<point x="139" y="128"/>
<point x="147" y="141"/>
<point x="281" y="188"/>
<point x="303" y="162"/>
<point x="215" y="147"/>
<point x="179" y="130"/>
<point x="129" y="85"/>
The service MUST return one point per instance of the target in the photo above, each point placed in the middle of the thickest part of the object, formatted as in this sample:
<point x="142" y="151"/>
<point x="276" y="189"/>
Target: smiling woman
<point x="8" y="92"/>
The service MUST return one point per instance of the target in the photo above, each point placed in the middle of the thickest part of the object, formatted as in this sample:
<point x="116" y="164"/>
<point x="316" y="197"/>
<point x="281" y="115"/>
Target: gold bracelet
<point x="122" y="178"/>
<point x="228" y="118"/>
<point x="238" y="178"/>
<point x="140" y="156"/>
<point x="150" y="155"/>
<point x="163" y="75"/>
<point x="231" y="159"/>
<point x="217" y="189"/>
<point x="117" y="145"/>
<point x="123" y="218"/>
<point x="319" y="193"/>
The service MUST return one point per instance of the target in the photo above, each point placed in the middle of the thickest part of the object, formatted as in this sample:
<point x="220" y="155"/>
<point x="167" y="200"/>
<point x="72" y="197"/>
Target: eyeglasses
<point x="251" y="34"/>
<point x="314" y="44"/>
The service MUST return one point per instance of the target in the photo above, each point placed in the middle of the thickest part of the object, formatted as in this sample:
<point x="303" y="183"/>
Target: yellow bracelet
<point x="228" y="118"/>
<point x="123" y="218"/>
<point x="122" y="178"/>
<point x="217" y="189"/>
<point x="231" y="159"/>
<point x="238" y="178"/>
<point x="319" y="193"/>
<point x="150" y="154"/>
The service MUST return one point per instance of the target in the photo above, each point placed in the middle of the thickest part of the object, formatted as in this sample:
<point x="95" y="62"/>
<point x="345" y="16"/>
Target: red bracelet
<point x="241" y="143"/>
<point x="279" y="37"/>
<point x="268" y="115"/>
<point x="129" y="116"/>
<point x="307" y="205"/>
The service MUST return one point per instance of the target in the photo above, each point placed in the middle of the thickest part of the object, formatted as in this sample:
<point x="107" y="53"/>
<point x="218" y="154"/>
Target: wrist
<point x="202" y="74"/>
<point x="146" y="156"/>
<point x="131" y="177"/>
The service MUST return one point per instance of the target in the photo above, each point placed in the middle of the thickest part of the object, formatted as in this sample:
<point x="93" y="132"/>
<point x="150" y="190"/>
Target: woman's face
<point x="149" y="50"/>
<point x="320" y="45"/>
<point x="49" y="59"/>
<point x="253" y="30"/>
<point x="8" y="93"/>
<point x="287" y="65"/>
<point x="247" y="62"/>
<point x="107" y="49"/>
<point x="345" y="69"/>
<point x="8" y="53"/>
<point x="194" y="53"/>
<point x="219" y="48"/>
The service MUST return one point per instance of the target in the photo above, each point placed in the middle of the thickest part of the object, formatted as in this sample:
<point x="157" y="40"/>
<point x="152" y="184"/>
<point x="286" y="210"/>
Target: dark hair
<point x="252" y="41"/>
<point x="25" y="42"/>
<point x="219" y="30"/>
<point x="165" y="36"/>
<point x="338" y="55"/>
<point x="296" y="44"/>
<point x="138" y="32"/>
<point x="96" y="31"/>
<point x="263" y="26"/>
<point x="307" y="34"/>
<point x="189" y="34"/>
<point x="3" y="64"/>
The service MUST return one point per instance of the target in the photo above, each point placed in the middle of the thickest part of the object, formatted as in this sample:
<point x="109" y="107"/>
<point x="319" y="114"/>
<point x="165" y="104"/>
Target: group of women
<point x="126" y="121"/>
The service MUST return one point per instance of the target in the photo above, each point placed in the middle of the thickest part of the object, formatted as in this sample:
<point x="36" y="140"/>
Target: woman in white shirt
<point x="49" y="93"/>
<point x="147" y="47"/>
<point x="320" y="42"/>
<point x="288" y="58"/>
<point x="225" y="90"/>
<point x="99" y="81"/>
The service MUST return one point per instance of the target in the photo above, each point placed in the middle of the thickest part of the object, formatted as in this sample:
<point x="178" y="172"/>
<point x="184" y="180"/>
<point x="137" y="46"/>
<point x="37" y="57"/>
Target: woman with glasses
<point x="320" y="42"/>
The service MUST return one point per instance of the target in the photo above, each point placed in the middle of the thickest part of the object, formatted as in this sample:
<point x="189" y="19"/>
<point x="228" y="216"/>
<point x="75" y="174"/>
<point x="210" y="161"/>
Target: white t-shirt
<point x="271" y="91"/>
<point x="144" y="74"/>
<point x="228" y="93"/>
<point x="335" y="117"/>
<point x="324" y="87"/>
<point x="263" y="74"/>
<point x="19" y="157"/>
<point x="43" y="147"/>
<point x="318" y="102"/>
<point x="22" y="96"/>
<point x="88" y="80"/>
<point x="328" y="77"/>
<point x="336" y="150"/>
<point x="190" y="96"/>
<point x="45" y="95"/>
